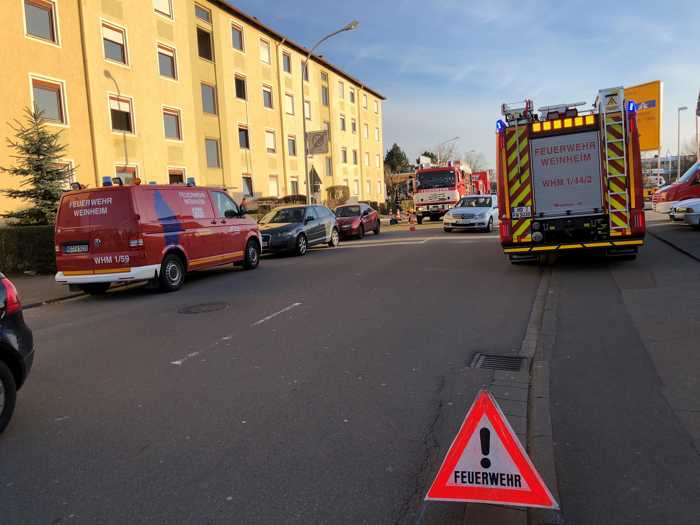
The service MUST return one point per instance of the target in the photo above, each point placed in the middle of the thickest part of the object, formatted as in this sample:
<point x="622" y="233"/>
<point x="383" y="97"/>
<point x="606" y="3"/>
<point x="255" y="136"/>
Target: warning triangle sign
<point x="486" y="463"/>
<point x="611" y="102"/>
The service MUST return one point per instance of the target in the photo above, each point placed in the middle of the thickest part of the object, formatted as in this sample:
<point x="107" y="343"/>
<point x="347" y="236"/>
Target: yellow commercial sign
<point x="648" y="98"/>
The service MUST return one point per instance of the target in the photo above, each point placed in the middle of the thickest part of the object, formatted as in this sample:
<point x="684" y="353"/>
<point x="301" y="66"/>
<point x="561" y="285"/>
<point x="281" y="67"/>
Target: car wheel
<point x="378" y="228"/>
<point x="302" y="246"/>
<point x="448" y="230"/>
<point x="335" y="238"/>
<point x="8" y="396"/>
<point x="252" y="255"/>
<point x="361" y="232"/>
<point x="419" y="219"/>
<point x="489" y="226"/>
<point x="95" y="288"/>
<point x="172" y="273"/>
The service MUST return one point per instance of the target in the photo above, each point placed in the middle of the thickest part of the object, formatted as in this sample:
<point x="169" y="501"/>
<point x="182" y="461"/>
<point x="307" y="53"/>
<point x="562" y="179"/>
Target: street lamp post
<point x="304" y="71"/>
<point x="678" y="159"/>
<point x="442" y="144"/>
<point x="108" y="74"/>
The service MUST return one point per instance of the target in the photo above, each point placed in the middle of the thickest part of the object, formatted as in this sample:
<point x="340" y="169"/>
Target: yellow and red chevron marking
<point x="619" y="223"/>
<point x="519" y="180"/>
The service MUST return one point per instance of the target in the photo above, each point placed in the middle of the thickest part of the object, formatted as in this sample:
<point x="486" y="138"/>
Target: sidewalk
<point x="35" y="290"/>
<point x="677" y="234"/>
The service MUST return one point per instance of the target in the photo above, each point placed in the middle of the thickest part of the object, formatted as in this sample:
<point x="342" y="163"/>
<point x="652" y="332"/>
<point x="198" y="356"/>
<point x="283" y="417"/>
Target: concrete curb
<point x="36" y="304"/>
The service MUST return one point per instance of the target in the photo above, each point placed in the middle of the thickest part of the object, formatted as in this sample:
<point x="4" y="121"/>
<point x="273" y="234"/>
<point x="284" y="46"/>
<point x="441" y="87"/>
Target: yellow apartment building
<point x="171" y="90"/>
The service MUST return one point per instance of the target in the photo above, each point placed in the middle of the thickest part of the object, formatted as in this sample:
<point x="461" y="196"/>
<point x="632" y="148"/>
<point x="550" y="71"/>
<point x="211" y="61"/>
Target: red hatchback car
<point x="354" y="220"/>
<point x="153" y="233"/>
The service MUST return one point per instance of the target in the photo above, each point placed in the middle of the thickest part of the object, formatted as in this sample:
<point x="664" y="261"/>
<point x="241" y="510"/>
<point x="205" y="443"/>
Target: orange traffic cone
<point x="412" y="222"/>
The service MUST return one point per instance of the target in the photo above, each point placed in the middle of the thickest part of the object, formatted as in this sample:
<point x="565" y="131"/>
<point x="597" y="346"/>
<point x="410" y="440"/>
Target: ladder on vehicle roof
<point x="612" y="114"/>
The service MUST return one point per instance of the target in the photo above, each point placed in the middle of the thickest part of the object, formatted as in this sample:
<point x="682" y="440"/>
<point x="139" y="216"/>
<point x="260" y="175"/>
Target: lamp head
<point x="352" y="25"/>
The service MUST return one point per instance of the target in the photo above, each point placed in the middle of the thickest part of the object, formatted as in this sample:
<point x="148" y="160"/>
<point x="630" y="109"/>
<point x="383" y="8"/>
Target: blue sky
<point x="445" y="66"/>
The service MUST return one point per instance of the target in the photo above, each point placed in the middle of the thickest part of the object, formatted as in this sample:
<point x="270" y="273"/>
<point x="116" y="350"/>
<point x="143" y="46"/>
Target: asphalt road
<point x="326" y="389"/>
<point x="336" y="410"/>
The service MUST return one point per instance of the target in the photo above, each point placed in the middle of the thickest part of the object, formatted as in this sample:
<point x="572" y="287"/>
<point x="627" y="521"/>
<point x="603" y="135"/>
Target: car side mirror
<point x="365" y="213"/>
<point x="308" y="220"/>
<point x="242" y="210"/>
<point x="230" y="214"/>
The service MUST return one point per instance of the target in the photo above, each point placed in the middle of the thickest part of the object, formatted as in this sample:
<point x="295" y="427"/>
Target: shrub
<point x="27" y="248"/>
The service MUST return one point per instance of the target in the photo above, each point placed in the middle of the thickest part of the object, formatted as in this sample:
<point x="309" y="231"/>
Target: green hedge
<point x="27" y="248"/>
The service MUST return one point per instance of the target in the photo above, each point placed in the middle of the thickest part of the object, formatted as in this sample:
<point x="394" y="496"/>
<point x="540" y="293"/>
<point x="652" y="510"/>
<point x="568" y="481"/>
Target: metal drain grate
<point x="203" y="308"/>
<point x="497" y="362"/>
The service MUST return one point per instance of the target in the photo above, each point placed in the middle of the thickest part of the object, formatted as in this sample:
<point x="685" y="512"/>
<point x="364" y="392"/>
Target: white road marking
<point x="272" y="316"/>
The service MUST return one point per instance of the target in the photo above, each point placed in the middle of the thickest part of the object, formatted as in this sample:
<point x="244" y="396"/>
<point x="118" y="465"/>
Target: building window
<point x="171" y="124"/>
<point x="243" y="137"/>
<point x="326" y="125"/>
<point x="164" y="7"/>
<point x="237" y="38"/>
<point x="289" y="104"/>
<point x="351" y="95"/>
<point x="114" y="43"/>
<point x="377" y="161"/>
<point x="202" y="13"/>
<point x="325" y="99"/>
<point x="122" y="114"/>
<point x="287" y="62"/>
<point x="329" y="167"/>
<point x="342" y="122"/>
<point x="270" y="142"/>
<point x="126" y="173"/>
<point x="267" y="97"/>
<point x="247" y="185"/>
<point x="307" y="110"/>
<point x="365" y="131"/>
<point x="376" y="106"/>
<point x="344" y="155"/>
<point x="366" y="159"/>
<point x="176" y="175"/>
<point x="324" y="76"/>
<point x="305" y="71"/>
<point x="265" y="55"/>
<point x="376" y="134"/>
<point x="166" y="62"/>
<point x="294" y="186"/>
<point x="369" y="187"/>
<point x="292" y="146"/>
<point x="346" y="183"/>
<point x="211" y="147"/>
<point x="208" y="99"/>
<point x="48" y="98"/>
<point x="41" y="20"/>
<point x="356" y="187"/>
<point x="240" y="88"/>
<point x="273" y="186"/>
<point x="379" y="188"/>
<point x="341" y="90"/>
<point x="354" y="157"/>
<point x="204" y="47"/>
<point x="364" y="100"/>
<point x="353" y="126"/>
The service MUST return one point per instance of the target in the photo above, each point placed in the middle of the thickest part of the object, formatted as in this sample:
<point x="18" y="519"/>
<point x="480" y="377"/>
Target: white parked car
<point x="472" y="212"/>
<point x="680" y="208"/>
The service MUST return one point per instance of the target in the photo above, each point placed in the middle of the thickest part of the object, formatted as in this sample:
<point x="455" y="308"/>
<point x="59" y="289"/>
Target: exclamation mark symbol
<point x="485" y="435"/>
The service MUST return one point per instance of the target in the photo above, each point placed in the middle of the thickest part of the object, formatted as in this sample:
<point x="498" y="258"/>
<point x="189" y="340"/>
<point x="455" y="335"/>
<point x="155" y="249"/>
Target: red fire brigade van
<point x="117" y="234"/>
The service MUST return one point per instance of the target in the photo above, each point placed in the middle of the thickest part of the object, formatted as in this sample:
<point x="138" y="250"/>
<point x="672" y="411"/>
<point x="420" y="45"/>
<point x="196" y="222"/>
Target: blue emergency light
<point x="500" y="125"/>
<point x="106" y="181"/>
<point x="631" y="106"/>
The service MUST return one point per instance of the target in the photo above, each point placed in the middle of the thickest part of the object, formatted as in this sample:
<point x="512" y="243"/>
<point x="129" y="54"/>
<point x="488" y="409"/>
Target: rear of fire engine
<point x="569" y="179"/>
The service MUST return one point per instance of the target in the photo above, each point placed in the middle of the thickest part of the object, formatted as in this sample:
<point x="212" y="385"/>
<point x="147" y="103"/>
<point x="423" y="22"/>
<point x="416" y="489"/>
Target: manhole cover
<point x="203" y="308"/>
<point x="497" y="362"/>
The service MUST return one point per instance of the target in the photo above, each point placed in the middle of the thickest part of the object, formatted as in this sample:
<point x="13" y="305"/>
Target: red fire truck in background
<point x="480" y="183"/>
<point x="570" y="179"/>
<point x="436" y="189"/>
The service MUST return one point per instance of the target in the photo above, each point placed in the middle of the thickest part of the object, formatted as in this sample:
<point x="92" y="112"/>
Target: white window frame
<point x="111" y="94"/>
<point x="287" y="55"/>
<point x="117" y="28"/>
<point x="276" y="178"/>
<point x="353" y="126"/>
<point x="292" y="138"/>
<point x="244" y="78"/>
<point x="365" y="131"/>
<point x="367" y="158"/>
<point x="216" y="95"/>
<point x="266" y="43"/>
<point x="268" y="88"/>
<point x="342" y="123"/>
<point x="356" y="186"/>
<point x="364" y="101"/>
<point x="344" y="155"/>
<point x="170" y="14"/>
<point x="173" y="109"/>
<point x="240" y="28"/>
<point x="183" y="169"/>
<point x="132" y="165"/>
<point x="289" y="99"/>
<point x="376" y="106"/>
<point x="196" y="5"/>
<point x="56" y="25"/>
<point x="168" y="49"/>
<point x="271" y="133"/>
<point x="218" y="149"/>
<point x="64" y="96"/>
<point x="376" y="134"/>
<point x="341" y="90"/>
<point x="377" y="161"/>
<point x="307" y="104"/>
